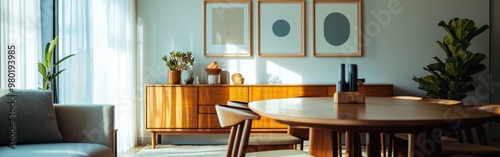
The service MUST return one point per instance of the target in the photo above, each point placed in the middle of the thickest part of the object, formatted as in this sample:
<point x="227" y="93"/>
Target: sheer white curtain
<point x="102" y="35"/>
<point x="20" y="30"/>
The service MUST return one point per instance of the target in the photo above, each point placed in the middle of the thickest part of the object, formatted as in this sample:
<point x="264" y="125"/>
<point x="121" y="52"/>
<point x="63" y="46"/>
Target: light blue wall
<point x="395" y="50"/>
<point x="397" y="46"/>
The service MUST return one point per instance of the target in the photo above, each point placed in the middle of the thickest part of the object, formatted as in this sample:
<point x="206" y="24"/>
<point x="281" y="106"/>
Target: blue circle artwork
<point x="281" y="28"/>
<point x="336" y="29"/>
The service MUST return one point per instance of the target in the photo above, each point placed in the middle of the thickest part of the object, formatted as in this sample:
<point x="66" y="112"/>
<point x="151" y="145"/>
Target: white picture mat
<point x="270" y="43"/>
<point x="223" y="49"/>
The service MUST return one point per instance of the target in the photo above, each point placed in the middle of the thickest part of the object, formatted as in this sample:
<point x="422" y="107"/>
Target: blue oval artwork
<point x="281" y="28"/>
<point x="336" y="29"/>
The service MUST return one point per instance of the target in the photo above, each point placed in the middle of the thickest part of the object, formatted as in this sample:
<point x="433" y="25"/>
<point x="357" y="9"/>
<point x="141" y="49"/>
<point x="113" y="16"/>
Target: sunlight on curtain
<point x="101" y="34"/>
<point x="20" y="30"/>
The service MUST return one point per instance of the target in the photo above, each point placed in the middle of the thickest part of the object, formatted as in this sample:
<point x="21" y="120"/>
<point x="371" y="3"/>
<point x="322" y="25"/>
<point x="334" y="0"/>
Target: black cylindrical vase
<point x="353" y="77"/>
<point x="342" y="84"/>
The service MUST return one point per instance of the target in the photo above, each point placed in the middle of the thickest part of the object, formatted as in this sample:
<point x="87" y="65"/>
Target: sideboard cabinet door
<point x="171" y="107"/>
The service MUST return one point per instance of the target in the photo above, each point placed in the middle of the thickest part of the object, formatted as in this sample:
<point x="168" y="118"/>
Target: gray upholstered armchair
<point x="44" y="129"/>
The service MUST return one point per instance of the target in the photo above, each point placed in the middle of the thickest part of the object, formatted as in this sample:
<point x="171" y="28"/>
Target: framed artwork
<point x="227" y="28"/>
<point x="281" y="28"/>
<point x="337" y="28"/>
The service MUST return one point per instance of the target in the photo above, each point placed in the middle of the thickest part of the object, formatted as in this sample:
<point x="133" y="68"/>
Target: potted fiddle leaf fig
<point x="451" y="78"/>
<point x="177" y="62"/>
<point x="45" y="68"/>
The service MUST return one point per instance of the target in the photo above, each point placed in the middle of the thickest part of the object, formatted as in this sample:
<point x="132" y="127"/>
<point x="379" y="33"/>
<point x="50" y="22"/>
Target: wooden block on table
<point x="349" y="98"/>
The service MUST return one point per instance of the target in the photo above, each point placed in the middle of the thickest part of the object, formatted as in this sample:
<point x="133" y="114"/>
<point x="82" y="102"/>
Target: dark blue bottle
<point x="342" y="84"/>
<point x="353" y="78"/>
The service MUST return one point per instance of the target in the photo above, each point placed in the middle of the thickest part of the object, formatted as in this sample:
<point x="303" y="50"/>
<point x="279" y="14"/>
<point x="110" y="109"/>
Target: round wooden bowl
<point x="213" y="71"/>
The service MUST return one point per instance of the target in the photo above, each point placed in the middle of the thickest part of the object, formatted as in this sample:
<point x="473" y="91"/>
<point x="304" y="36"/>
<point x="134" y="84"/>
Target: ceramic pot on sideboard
<point x="174" y="77"/>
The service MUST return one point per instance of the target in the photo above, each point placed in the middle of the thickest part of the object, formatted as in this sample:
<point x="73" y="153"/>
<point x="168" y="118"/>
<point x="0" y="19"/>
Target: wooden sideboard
<point x="181" y="109"/>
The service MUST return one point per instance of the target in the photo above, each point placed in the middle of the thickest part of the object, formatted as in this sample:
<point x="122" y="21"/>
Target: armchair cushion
<point x="29" y="116"/>
<point x="57" y="150"/>
<point x="86" y="123"/>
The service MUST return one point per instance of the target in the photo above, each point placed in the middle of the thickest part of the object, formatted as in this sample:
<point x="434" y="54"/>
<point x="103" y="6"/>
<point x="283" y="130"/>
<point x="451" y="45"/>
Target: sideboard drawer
<point x="221" y="94"/>
<point x="276" y="92"/>
<point x="208" y="121"/>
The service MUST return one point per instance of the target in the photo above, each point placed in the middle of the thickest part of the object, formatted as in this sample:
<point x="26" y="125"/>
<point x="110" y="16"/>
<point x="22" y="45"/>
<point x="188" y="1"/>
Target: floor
<point x="136" y="149"/>
<point x="131" y="152"/>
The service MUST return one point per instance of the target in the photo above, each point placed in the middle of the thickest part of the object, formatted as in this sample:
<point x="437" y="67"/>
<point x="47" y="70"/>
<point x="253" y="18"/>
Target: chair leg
<point x="373" y="144"/>
<point x="357" y="144"/>
<point x="335" y="139"/>
<point x="460" y="137"/>
<point x="391" y="149"/>
<point x="411" y="144"/>
<point x="339" y="143"/>
<point x="481" y="134"/>
<point x="301" y="144"/>
<point x="349" y="144"/>
<point x="382" y="144"/>
<point x="468" y="135"/>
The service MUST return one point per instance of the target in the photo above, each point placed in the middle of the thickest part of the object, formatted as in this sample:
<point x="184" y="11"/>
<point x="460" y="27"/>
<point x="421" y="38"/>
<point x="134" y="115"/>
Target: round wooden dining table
<point x="377" y="115"/>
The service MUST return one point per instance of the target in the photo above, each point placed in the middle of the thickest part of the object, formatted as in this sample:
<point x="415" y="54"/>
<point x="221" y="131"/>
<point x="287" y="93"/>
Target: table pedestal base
<point x="321" y="143"/>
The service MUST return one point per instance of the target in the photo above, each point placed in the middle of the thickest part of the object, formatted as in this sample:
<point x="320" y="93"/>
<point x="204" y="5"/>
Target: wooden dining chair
<point x="462" y="144"/>
<point x="300" y="132"/>
<point x="472" y="147"/>
<point x="269" y="140"/>
<point x="240" y="121"/>
<point x="468" y="138"/>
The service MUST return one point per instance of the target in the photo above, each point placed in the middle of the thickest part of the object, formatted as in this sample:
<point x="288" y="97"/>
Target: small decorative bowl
<point x="213" y="71"/>
<point x="239" y="80"/>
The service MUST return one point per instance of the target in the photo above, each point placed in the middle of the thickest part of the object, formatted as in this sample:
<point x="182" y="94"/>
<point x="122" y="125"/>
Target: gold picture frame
<point x="281" y="33"/>
<point x="227" y="28"/>
<point x="337" y="28"/>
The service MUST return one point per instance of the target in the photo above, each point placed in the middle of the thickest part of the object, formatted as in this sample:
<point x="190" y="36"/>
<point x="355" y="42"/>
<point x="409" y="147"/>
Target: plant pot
<point x="174" y="77"/>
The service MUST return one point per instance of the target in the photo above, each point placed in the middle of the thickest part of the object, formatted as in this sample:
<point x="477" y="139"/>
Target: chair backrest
<point x="240" y="121"/>
<point x="480" y="131"/>
<point x="237" y="104"/>
<point x="459" y="134"/>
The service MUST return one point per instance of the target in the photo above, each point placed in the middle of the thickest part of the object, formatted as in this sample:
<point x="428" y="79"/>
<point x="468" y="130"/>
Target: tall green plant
<point x="452" y="78"/>
<point x="45" y="67"/>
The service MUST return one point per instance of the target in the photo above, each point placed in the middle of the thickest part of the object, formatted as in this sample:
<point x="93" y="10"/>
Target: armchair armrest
<point x="88" y="123"/>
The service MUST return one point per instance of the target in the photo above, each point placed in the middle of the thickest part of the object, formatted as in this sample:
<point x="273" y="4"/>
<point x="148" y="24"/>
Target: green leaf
<point x="451" y="69"/>
<point x="478" y="31"/>
<point x="57" y="74"/>
<point x="47" y="46"/>
<point x="42" y="70"/>
<point x="48" y="54"/>
<point x="445" y="27"/>
<point x="57" y="63"/>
